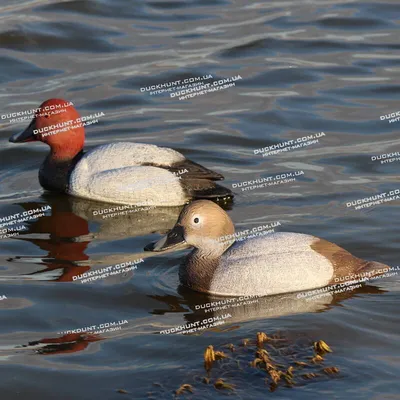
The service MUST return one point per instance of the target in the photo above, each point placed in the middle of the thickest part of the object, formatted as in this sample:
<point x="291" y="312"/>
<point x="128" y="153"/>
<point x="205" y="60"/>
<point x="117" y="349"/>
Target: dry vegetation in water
<point x="279" y="371"/>
<point x="269" y="362"/>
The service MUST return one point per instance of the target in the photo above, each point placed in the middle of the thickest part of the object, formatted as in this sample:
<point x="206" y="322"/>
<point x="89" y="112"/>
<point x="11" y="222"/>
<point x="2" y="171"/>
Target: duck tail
<point x="217" y="191"/>
<point x="205" y="189"/>
<point x="374" y="268"/>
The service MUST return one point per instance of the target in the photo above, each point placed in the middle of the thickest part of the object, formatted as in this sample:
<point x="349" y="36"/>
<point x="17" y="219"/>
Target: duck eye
<point x="196" y="220"/>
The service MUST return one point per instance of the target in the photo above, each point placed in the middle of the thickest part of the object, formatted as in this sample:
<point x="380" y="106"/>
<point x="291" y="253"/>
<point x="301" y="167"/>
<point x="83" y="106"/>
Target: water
<point x="306" y="67"/>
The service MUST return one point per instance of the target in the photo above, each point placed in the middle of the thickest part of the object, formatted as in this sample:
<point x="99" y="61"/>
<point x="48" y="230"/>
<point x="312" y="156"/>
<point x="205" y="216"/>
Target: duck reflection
<point x="73" y="224"/>
<point x="200" y="307"/>
<point x="55" y="234"/>
<point x="193" y="305"/>
<point x="71" y="343"/>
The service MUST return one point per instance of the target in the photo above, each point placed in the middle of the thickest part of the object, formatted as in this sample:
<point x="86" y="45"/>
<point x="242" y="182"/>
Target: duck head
<point x="55" y="123"/>
<point x="203" y="225"/>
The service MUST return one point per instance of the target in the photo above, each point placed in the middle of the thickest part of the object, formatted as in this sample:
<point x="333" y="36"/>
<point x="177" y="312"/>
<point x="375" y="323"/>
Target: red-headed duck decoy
<point x="121" y="172"/>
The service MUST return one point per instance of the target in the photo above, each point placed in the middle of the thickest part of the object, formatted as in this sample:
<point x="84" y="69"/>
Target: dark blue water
<point x="306" y="67"/>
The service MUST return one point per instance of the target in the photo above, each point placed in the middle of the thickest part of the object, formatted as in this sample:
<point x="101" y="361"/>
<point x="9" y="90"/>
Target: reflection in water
<point x="190" y="304"/>
<point x="69" y="232"/>
<point x="259" y="308"/>
<point x="71" y="343"/>
<point x="75" y="223"/>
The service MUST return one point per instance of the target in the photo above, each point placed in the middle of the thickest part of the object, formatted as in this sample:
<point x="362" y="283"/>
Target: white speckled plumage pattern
<point x="113" y="173"/>
<point x="273" y="264"/>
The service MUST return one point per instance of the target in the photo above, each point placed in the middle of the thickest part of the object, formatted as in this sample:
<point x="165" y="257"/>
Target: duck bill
<point x="25" y="136"/>
<point x="174" y="239"/>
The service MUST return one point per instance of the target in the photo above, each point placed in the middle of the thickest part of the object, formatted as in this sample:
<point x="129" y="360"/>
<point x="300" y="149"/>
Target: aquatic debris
<point x="184" y="388"/>
<point x="231" y="347"/>
<point x="255" y="362"/>
<point x="220" y="384"/>
<point x="317" y="359"/>
<point x="219" y="355"/>
<point x="331" y="370"/>
<point x="261" y="338"/>
<point x="321" y="347"/>
<point x="289" y="379"/>
<point x="209" y="358"/>
<point x="270" y="366"/>
<point x="290" y="371"/>
<point x="280" y="363"/>
<point x="301" y="364"/>
<point x="310" y="375"/>
<point x="123" y="391"/>
<point x="275" y="375"/>
<point x="264" y="355"/>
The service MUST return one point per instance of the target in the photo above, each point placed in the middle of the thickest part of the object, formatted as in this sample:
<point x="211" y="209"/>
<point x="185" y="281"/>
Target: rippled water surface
<point x="306" y="67"/>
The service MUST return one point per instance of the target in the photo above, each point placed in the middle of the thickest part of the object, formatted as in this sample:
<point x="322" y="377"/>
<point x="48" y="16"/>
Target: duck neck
<point x="56" y="169"/>
<point x="209" y="248"/>
<point x="65" y="153"/>
<point x="198" y="271"/>
<point x="214" y="250"/>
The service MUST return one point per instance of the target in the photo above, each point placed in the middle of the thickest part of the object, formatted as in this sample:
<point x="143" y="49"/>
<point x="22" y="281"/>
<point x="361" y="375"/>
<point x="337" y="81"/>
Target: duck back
<point x="273" y="264"/>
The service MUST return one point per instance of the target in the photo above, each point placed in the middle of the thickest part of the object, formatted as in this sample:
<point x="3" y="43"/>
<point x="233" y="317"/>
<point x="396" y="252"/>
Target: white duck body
<point x="133" y="173"/>
<point x="273" y="264"/>
<point x="278" y="263"/>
